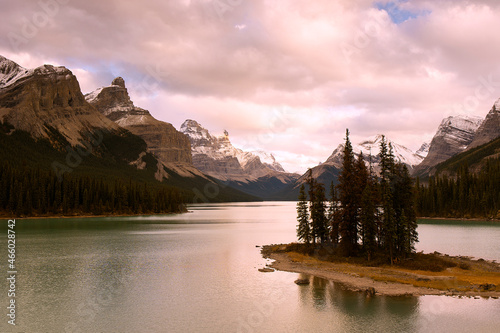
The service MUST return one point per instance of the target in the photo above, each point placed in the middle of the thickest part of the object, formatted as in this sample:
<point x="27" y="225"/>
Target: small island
<point x="365" y="237"/>
<point x="422" y="274"/>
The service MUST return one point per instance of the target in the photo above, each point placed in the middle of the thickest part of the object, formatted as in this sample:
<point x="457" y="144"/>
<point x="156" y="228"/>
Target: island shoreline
<point x="353" y="277"/>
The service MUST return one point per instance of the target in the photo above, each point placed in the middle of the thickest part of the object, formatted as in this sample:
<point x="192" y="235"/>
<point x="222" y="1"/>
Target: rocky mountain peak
<point x="9" y="70"/>
<point x="113" y="101"/>
<point x="198" y="135"/>
<point x="119" y="81"/>
<point x="490" y="127"/>
<point x="460" y="128"/>
<point x="454" y="135"/>
<point x="162" y="138"/>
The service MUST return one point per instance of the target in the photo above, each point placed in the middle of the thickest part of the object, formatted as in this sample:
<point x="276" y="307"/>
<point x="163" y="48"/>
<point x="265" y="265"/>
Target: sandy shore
<point x="361" y="278"/>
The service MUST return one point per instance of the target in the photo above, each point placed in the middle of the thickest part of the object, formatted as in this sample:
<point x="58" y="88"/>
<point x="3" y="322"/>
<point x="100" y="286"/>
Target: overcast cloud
<point x="285" y="76"/>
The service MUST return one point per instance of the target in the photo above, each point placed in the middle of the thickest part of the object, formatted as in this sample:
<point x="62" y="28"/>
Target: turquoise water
<point x="197" y="272"/>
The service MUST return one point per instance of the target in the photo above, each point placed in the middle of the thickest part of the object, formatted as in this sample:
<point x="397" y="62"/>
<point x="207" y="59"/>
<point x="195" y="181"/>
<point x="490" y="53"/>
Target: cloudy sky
<point x="287" y="76"/>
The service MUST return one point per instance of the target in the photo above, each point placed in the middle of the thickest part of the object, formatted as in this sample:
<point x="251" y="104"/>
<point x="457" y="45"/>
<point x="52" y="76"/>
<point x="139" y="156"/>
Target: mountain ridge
<point x="453" y="136"/>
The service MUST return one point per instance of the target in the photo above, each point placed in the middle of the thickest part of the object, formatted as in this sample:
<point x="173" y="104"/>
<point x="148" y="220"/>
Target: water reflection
<point x="385" y="313"/>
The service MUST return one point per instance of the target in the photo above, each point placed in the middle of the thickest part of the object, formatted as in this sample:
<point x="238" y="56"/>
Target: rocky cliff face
<point x="453" y="136"/>
<point x="489" y="129"/>
<point x="163" y="140"/>
<point x="45" y="99"/>
<point x="217" y="157"/>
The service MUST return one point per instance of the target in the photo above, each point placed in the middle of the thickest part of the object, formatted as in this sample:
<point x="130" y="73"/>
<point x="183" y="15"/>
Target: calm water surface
<point x="197" y="272"/>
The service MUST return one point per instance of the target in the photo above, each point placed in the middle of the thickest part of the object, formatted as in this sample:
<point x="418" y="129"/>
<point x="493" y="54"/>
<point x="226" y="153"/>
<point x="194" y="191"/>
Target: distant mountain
<point x="453" y="136"/>
<point x="489" y="129"/>
<point x="256" y="173"/>
<point x="329" y="171"/>
<point x="371" y="147"/>
<point x="268" y="160"/>
<point x="423" y="151"/>
<point x="171" y="147"/>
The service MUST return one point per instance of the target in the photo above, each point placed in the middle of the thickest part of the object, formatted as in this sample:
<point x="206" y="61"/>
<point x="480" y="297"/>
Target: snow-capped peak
<point x="460" y="122"/>
<point x="371" y="148"/>
<point x="195" y="131"/>
<point x="401" y="153"/>
<point x="220" y="148"/>
<point x="11" y="72"/>
<point x="269" y="160"/>
<point x="423" y="150"/>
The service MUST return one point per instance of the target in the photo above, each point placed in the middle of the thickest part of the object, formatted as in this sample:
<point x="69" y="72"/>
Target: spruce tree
<point x="303" y="228"/>
<point x="318" y="214"/>
<point x="311" y="183"/>
<point x="348" y="199"/>
<point x="389" y="232"/>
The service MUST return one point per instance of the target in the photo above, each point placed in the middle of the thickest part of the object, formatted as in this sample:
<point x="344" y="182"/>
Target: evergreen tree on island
<point x="303" y="228"/>
<point x="349" y="199"/>
<point x="378" y="211"/>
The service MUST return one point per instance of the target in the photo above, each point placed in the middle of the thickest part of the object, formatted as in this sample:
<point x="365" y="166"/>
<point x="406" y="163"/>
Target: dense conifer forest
<point x="464" y="195"/>
<point x="28" y="191"/>
<point x="366" y="215"/>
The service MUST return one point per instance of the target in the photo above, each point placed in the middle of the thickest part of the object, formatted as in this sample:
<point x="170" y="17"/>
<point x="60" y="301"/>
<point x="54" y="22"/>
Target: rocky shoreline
<point x="377" y="280"/>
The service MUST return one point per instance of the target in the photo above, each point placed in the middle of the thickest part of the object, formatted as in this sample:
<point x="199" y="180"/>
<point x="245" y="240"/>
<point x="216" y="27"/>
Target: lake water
<point x="197" y="272"/>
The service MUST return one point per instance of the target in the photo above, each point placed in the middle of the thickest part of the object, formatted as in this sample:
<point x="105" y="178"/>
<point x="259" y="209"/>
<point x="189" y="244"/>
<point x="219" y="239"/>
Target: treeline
<point x="366" y="214"/>
<point x="465" y="195"/>
<point x="33" y="192"/>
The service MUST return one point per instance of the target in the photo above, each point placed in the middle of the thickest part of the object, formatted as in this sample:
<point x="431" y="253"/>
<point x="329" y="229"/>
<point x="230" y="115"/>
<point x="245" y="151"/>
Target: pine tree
<point x="311" y="183"/>
<point x="348" y="200"/>
<point x="404" y="208"/>
<point x="318" y="214"/>
<point x="303" y="228"/>
<point x="389" y="232"/>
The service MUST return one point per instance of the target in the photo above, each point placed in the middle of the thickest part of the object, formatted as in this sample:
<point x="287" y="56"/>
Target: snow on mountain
<point x="423" y="150"/>
<point x="45" y="98"/>
<point x="453" y="136"/>
<point x="217" y="156"/>
<point x="455" y="129"/>
<point x="489" y="129"/>
<point x="371" y="148"/>
<point x="401" y="153"/>
<point x="269" y="160"/>
<point x="10" y="72"/>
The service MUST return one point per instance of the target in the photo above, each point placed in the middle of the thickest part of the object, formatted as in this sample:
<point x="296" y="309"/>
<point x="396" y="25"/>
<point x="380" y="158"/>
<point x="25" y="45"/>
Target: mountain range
<point x="257" y="173"/>
<point x="45" y="115"/>
<point x="46" y="122"/>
